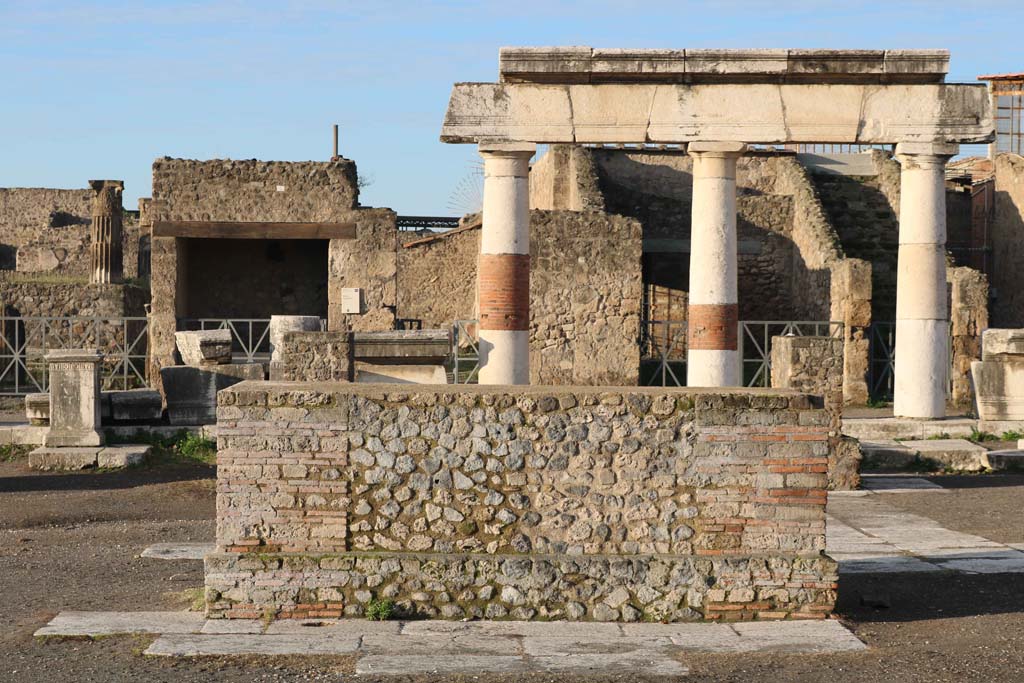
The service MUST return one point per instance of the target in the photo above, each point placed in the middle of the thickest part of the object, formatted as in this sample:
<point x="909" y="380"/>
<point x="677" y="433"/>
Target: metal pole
<point x="335" y="155"/>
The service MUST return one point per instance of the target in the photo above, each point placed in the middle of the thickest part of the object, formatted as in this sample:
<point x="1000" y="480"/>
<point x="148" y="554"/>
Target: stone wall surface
<point x="1007" y="241"/>
<point x="251" y="190"/>
<point x="369" y="262"/>
<point x="585" y="293"/>
<point x="27" y="212"/>
<point x="66" y="250"/>
<point x="968" y="315"/>
<point x="27" y="298"/>
<point x="314" y="357"/>
<point x="532" y="502"/>
<point x="814" y="365"/>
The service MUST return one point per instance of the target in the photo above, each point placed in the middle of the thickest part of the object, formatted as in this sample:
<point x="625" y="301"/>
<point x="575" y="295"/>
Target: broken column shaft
<point x="105" y="247"/>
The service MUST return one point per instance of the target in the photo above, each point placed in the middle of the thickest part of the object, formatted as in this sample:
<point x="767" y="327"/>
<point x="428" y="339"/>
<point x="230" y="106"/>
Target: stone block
<point x="74" y="398"/>
<point x="1002" y="345"/>
<point x="204" y="347"/>
<point x="999" y="387"/>
<point x="69" y="458"/>
<point x="135" y="405"/>
<point x="192" y="392"/>
<point x="427" y="347"/>
<point x="401" y="374"/>
<point x="281" y="324"/>
<point x="128" y="455"/>
<point x="952" y="454"/>
<point x="37" y="409"/>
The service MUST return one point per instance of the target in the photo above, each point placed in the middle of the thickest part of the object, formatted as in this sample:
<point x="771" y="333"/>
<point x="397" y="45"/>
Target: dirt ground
<point x="72" y="541"/>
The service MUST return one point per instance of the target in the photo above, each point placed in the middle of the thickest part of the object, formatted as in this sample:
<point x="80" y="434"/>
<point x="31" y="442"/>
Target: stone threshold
<point x="418" y="647"/>
<point x="84" y="457"/>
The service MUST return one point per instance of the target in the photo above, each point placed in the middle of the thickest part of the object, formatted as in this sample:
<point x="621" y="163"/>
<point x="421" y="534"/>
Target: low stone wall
<point x="815" y="365"/>
<point x="69" y="297"/>
<point x="314" y="357"/>
<point x="521" y="502"/>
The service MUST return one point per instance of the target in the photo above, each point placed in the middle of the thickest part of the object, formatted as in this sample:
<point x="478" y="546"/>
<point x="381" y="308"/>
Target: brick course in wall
<point x="534" y="502"/>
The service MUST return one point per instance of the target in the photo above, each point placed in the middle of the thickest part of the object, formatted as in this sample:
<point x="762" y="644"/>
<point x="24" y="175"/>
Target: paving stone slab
<point x="361" y="627"/>
<point x="650" y="663"/>
<point x="452" y="644"/>
<point x="222" y="626"/>
<point x="797" y="636"/>
<point x="1009" y="561"/>
<point x="440" y="664"/>
<point x="515" y="628"/>
<point x="192" y="645"/>
<point x="886" y="565"/>
<point x="880" y="484"/>
<point x="554" y="646"/>
<point x="179" y="551"/>
<point x="111" y="623"/>
<point x="700" y="637"/>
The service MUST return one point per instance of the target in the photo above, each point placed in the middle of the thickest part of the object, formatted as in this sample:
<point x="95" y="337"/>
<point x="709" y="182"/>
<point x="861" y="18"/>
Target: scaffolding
<point x="1008" y="106"/>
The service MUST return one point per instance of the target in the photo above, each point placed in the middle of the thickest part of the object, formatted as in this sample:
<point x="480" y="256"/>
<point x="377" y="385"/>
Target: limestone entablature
<point x="610" y="65"/>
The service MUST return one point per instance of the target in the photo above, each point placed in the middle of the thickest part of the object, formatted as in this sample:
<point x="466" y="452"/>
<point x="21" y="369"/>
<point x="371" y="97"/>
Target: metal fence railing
<point x="882" y="361"/>
<point x="25" y="341"/>
<point x="663" y="353"/>
<point x="464" y="360"/>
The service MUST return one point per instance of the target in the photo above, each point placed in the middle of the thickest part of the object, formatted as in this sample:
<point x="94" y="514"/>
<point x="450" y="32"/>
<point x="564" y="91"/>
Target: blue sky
<point x="99" y="90"/>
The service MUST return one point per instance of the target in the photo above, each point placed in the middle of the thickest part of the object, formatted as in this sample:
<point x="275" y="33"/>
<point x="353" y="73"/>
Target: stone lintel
<point x="579" y="64"/>
<point x="487" y="147"/>
<point x="632" y="113"/>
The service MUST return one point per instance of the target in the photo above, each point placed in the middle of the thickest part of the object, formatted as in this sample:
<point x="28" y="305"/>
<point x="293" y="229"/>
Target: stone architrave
<point x="74" y="398"/>
<point x="105" y="247"/>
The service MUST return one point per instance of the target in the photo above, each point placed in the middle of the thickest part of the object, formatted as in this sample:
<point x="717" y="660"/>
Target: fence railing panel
<point x="755" y="344"/>
<point x="25" y="341"/>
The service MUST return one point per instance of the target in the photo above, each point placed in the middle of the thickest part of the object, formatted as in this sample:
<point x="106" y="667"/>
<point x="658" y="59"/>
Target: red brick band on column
<point x="504" y="282"/>
<point x="712" y="327"/>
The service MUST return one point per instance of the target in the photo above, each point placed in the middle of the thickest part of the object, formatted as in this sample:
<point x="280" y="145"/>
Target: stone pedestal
<point x="74" y="398"/>
<point x="999" y="376"/>
<point x="503" y="274"/>
<point x="922" y="314"/>
<point x="712" y="358"/>
<point x="105" y="248"/>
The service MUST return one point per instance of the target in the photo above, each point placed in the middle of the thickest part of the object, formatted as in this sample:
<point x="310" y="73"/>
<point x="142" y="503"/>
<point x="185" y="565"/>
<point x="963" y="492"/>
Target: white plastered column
<point x="922" y="310"/>
<point x="503" y="273"/>
<point x="712" y="358"/>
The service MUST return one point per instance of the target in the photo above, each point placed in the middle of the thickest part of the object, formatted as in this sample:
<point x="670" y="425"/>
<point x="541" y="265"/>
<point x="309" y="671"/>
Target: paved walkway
<point x="866" y="534"/>
<point x="418" y="647"/>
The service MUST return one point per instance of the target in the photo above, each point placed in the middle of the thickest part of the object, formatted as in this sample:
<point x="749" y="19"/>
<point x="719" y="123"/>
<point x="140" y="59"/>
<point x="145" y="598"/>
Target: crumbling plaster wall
<point x="585" y="293"/>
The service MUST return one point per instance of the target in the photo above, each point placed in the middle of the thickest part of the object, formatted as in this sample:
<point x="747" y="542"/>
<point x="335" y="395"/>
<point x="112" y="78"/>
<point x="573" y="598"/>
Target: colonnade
<point x="922" y="337"/>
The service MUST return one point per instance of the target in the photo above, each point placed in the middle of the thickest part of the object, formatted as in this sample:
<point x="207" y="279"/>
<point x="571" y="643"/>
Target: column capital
<point x="923" y="154"/>
<point x="508" y="149"/>
<point x="716" y="149"/>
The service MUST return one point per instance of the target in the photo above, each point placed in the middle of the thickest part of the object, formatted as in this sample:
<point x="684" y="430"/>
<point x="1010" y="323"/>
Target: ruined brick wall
<point x="65" y="250"/>
<point x="314" y="357"/>
<point x="1007" y="239"/>
<point x="585" y="293"/>
<point x="539" y="502"/>
<point x="26" y="213"/>
<point x="968" y="314"/>
<point x="814" y="365"/>
<point x="20" y="296"/>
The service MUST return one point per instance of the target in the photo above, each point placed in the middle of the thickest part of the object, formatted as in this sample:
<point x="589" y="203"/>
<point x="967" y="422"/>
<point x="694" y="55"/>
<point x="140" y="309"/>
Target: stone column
<point x="712" y="359"/>
<point x="74" y="398"/>
<point x="105" y="246"/>
<point x="503" y="272"/>
<point x="922" y="315"/>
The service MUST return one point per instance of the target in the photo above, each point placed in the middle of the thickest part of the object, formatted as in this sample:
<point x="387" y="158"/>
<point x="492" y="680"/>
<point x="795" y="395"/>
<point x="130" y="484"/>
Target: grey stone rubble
<point x="419" y="647"/>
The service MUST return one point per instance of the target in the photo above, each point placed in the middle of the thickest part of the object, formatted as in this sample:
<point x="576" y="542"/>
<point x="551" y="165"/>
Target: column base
<point x="504" y="357"/>
<point x="713" y="368"/>
<point x="922" y="368"/>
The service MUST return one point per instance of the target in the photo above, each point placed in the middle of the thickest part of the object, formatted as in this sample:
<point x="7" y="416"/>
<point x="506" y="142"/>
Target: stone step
<point x="1008" y="460"/>
<point x="889" y="428"/>
<point x="886" y="455"/>
<point x="952" y="454"/>
<point x="85" y="457"/>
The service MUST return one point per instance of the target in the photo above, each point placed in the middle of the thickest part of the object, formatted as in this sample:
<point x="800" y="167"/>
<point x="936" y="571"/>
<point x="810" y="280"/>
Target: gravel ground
<point x="71" y="541"/>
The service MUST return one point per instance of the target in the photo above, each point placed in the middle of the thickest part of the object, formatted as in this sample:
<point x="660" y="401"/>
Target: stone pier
<point x="712" y="359"/>
<point x="105" y="247"/>
<point x="922" y="309"/>
<point x="504" y="269"/>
